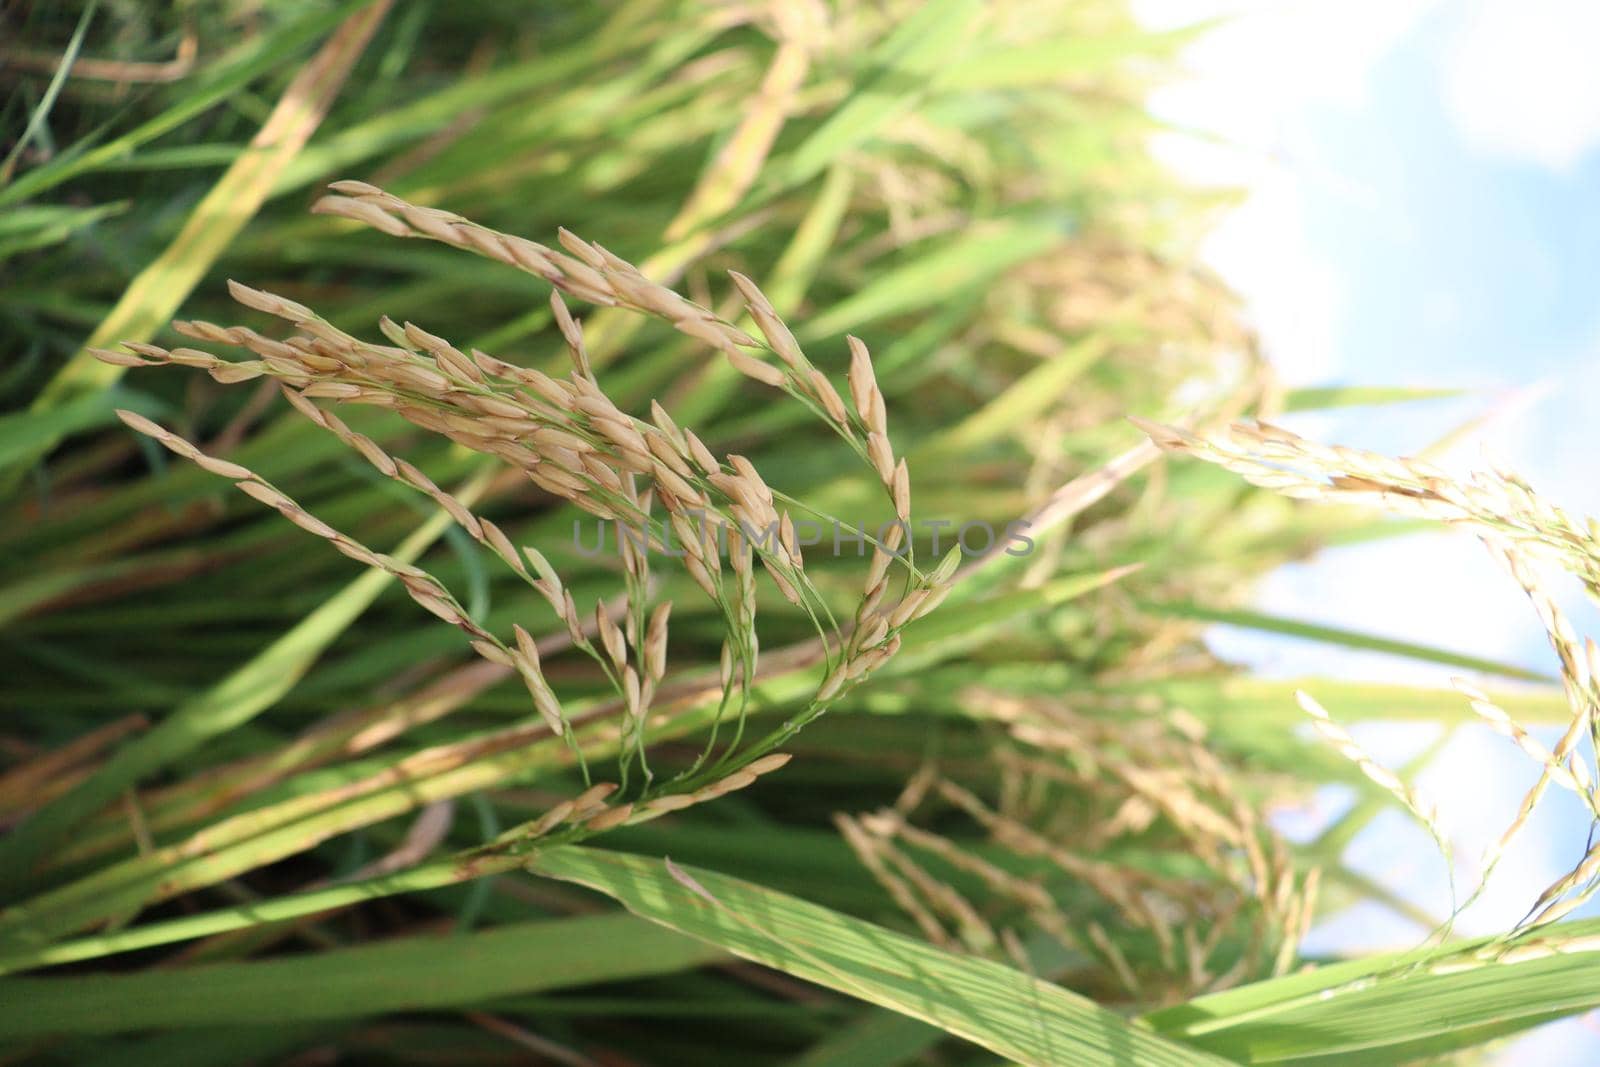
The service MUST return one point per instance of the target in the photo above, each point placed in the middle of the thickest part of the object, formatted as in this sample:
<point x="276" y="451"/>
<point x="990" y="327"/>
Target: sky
<point x="1423" y="179"/>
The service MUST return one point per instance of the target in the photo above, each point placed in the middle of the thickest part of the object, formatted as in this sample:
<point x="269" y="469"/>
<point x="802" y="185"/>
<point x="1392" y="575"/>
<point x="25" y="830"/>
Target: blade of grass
<point x="254" y="61"/>
<point x="997" y="1007"/>
<point x="1395" y="1008"/>
<point x="879" y="1039"/>
<point x="404" y="974"/>
<point x="41" y="114"/>
<point x="245" y="693"/>
<point x="1053" y="62"/>
<point x="1026" y="398"/>
<point x="729" y="176"/>
<point x="24" y="433"/>
<point x="1256" y="703"/>
<point x="39" y="227"/>
<point x="1321" y="398"/>
<point x="416" y="879"/>
<point x="158" y="291"/>
<point x="415" y="120"/>
<point x="943" y="636"/>
<point x="921" y="45"/>
<point x="227" y="1047"/>
<point x="813" y="240"/>
<point x="979" y="253"/>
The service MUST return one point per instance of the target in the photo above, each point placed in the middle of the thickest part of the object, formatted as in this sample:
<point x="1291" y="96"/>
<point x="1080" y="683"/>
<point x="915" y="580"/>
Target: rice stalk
<point x="1520" y="529"/>
<point x="568" y="438"/>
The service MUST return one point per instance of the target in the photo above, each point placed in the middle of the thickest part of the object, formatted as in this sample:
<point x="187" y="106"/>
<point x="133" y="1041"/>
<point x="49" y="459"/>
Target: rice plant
<point x="879" y="730"/>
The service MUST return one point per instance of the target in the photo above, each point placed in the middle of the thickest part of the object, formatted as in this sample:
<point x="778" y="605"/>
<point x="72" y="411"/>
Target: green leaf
<point x="921" y="46"/>
<point x="41" y="114"/>
<point x="416" y="879"/>
<point x="1052" y="62"/>
<point x="214" y="86"/>
<point x="981" y="252"/>
<point x="25" y="229"/>
<point x="405" y="974"/>
<point x="233" y="701"/>
<point x="878" y="1039"/>
<point x="998" y="1007"/>
<point x="1257" y="704"/>
<point x="221" y="1047"/>
<point x="163" y="285"/>
<point x="1396" y="1008"/>
<point x="24" y="433"/>
<point x="1027" y="398"/>
<point x="1321" y="398"/>
<point x="946" y="634"/>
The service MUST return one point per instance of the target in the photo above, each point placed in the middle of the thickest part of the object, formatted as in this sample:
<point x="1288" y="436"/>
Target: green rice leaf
<point x="1321" y="398"/>
<point x="233" y="701"/>
<point x="1396" y="1008"/>
<point x="980" y="252"/>
<point x="159" y="290"/>
<point x="919" y="47"/>
<point x="998" y="1007"/>
<point x="405" y="974"/>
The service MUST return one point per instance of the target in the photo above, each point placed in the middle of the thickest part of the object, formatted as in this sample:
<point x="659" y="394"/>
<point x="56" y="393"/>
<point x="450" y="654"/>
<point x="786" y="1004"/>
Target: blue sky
<point x="1423" y="209"/>
<point x="1456" y="264"/>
